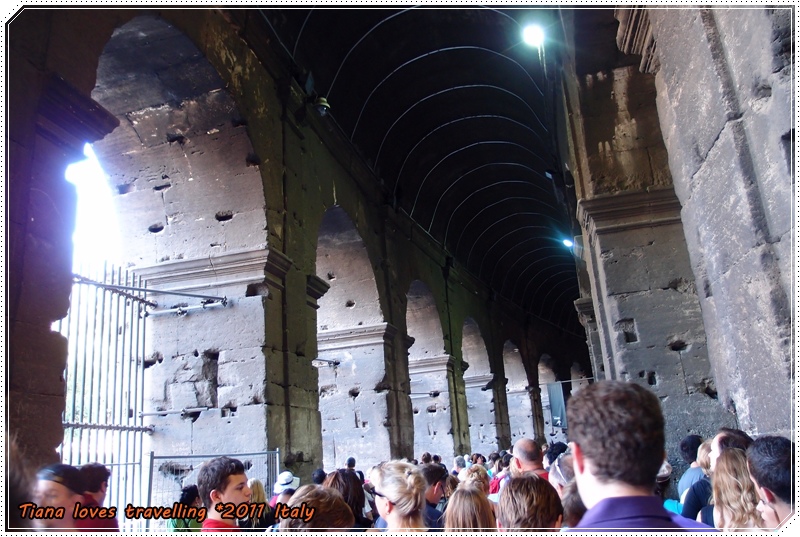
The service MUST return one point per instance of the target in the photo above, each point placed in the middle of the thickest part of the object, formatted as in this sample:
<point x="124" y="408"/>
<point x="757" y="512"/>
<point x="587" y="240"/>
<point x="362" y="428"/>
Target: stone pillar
<point x="480" y="406"/>
<point x="459" y="416"/>
<point x="353" y="401"/>
<point x="41" y="219"/>
<point x="585" y="309"/>
<point x="501" y="412"/>
<point x="431" y="403"/>
<point x="520" y="413"/>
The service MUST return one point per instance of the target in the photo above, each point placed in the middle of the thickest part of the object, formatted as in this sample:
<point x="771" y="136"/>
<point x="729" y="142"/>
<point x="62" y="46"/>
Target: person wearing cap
<point x="286" y="480"/>
<point x="59" y="486"/>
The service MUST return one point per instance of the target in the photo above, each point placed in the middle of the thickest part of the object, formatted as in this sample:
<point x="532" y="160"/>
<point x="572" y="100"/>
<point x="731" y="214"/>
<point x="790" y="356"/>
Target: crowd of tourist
<point x="608" y="477"/>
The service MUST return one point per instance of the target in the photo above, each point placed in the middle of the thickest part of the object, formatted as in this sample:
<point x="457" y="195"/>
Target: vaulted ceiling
<point x="455" y="115"/>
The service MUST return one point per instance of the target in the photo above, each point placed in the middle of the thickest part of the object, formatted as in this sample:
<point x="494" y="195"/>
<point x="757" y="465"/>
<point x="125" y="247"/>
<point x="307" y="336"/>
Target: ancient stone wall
<point x="724" y="102"/>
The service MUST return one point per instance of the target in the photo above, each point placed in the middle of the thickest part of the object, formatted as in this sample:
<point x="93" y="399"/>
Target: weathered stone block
<point x="37" y="365"/>
<point x="245" y="431"/>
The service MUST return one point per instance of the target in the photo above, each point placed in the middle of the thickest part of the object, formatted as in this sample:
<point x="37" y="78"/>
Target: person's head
<point x="190" y="496"/>
<point x="59" y="486"/>
<point x="616" y="432"/>
<point x="770" y="460"/>
<point x="476" y="476"/>
<point x="349" y="486"/>
<point x="493" y="457"/>
<point x="436" y="459"/>
<point x="733" y="491"/>
<point x="704" y="457"/>
<point x="426" y="458"/>
<point x="469" y="509"/>
<point x="257" y="492"/>
<point x="450" y="485"/>
<point x="727" y="438"/>
<point x="222" y="480"/>
<point x="330" y="510"/>
<point x="572" y="504"/>
<point x="561" y="472"/>
<point x="95" y="480"/>
<point x="285" y="496"/>
<point x="459" y="463"/>
<point x="553" y="452"/>
<point x="689" y="446"/>
<point x="318" y="476"/>
<point x="286" y="480"/>
<point x="435" y="476"/>
<point x="527" y="453"/>
<point x="351" y="463"/>
<point x="529" y="502"/>
<point x="399" y="494"/>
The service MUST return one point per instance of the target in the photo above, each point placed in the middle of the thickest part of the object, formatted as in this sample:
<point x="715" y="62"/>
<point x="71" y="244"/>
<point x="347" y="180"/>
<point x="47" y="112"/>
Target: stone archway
<point x="428" y="367"/>
<point x="351" y="339"/>
<point x="189" y="197"/>
<point x="520" y="412"/>
<point x="478" y="381"/>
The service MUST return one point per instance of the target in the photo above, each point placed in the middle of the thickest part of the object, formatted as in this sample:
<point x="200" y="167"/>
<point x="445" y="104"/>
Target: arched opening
<point x="188" y="196"/>
<point x="428" y="370"/>
<point x="552" y="403"/>
<point x="478" y="384"/>
<point x="350" y="339"/>
<point x="520" y="413"/>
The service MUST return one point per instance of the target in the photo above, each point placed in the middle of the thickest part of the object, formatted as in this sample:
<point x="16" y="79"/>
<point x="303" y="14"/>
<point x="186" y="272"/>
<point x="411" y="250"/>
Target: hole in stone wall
<point x="153" y="359"/>
<point x="223" y="216"/>
<point x="164" y="186"/>
<point x="191" y="415"/>
<point x="431" y="409"/>
<point x="762" y="89"/>
<point x="239" y="122"/>
<point x="707" y="288"/>
<point x="176" y="137"/>
<point x="349" y="304"/>
<point x="628" y="329"/>
<point x="651" y="378"/>
<point x="331" y="276"/>
<point x="257" y="289"/>
<point x="252" y="160"/>
<point x="175" y="469"/>
<point x="208" y="397"/>
<point x="124" y="188"/>
<point x="229" y="411"/>
<point x="415" y="410"/>
<point x="354" y="392"/>
<point x="787" y="142"/>
<point x="156" y="228"/>
<point x="195" y="353"/>
<point x="329" y="389"/>
<point x="678" y="345"/>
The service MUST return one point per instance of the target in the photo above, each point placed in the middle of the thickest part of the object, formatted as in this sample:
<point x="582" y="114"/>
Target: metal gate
<point x="105" y="382"/>
<point x="170" y="473"/>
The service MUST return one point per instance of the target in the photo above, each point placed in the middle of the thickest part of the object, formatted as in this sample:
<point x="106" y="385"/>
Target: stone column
<point x="480" y="406"/>
<point x="431" y="403"/>
<point x="501" y="412"/>
<point x="585" y="309"/>
<point x="459" y="416"/>
<point x="353" y="400"/>
<point x="41" y="220"/>
<point x="520" y="413"/>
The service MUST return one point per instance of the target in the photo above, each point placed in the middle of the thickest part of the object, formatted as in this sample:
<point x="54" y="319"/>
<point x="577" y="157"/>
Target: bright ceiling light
<point x="568" y="243"/>
<point x="533" y="35"/>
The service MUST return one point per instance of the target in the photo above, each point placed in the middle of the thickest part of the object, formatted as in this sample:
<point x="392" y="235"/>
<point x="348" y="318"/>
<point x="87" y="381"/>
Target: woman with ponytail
<point x="399" y="490"/>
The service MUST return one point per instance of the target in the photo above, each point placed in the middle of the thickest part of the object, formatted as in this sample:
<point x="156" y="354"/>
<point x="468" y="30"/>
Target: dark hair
<point x="689" y="447"/>
<point x="574" y="509"/>
<point x="554" y="451"/>
<point x="318" y="476"/>
<point x="63" y="474"/>
<point x="349" y="486"/>
<point x="94" y="475"/>
<point x="620" y="429"/>
<point x="214" y="475"/>
<point x="189" y="494"/>
<point x="433" y="473"/>
<point x="770" y="460"/>
<point x="507" y="459"/>
<point x="733" y="438"/>
<point x="528" y="502"/>
<point x="436" y="459"/>
<point x="351" y="462"/>
<point x="493" y="456"/>
<point x="425" y="458"/>
<point x="330" y="510"/>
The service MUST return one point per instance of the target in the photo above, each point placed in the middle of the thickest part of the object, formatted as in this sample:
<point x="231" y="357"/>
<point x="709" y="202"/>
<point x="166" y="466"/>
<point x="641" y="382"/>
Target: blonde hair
<point x="704" y="457"/>
<point x="477" y="476"/>
<point x="402" y="484"/>
<point x="469" y="510"/>
<point x="529" y="502"/>
<point x="734" y="495"/>
<point x="258" y="495"/>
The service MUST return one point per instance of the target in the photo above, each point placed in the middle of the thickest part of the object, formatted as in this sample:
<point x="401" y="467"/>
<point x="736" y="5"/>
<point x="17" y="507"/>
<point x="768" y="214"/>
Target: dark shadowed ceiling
<point x="455" y="115"/>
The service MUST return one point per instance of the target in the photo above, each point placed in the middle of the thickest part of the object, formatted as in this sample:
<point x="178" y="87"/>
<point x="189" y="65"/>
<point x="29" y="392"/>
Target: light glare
<point x="568" y="243"/>
<point x="533" y="35"/>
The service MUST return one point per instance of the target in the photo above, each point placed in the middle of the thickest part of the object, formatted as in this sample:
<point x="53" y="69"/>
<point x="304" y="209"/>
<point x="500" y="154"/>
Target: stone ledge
<point x="627" y="211"/>
<point x="359" y="336"/>
<point x="212" y="272"/>
<point x="478" y="381"/>
<point x="434" y="364"/>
